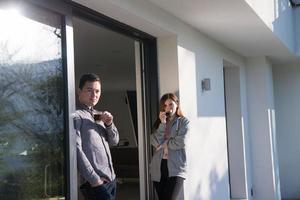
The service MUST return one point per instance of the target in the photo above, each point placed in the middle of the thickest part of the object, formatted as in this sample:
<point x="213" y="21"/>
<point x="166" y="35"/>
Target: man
<point x="93" y="139"/>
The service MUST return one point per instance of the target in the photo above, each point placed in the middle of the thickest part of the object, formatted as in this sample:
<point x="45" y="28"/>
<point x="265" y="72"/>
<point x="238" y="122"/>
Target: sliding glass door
<point x="37" y="97"/>
<point x="32" y="108"/>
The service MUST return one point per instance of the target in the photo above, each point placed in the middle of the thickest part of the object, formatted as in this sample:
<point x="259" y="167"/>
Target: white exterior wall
<point x="266" y="184"/>
<point x="287" y="98"/>
<point x="197" y="57"/>
<point x="201" y="58"/>
<point x="278" y="16"/>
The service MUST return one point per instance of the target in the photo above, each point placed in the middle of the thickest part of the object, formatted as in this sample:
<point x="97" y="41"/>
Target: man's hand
<point x="98" y="183"/>
<point x="107" y="118"/>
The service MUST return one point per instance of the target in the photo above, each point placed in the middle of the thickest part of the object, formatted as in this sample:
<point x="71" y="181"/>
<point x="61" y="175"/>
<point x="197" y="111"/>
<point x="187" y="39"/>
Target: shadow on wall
<point x="214" y="181"/>
<point x="286" y="95"/>
<point x="286" y="27"/>
<point x="207" y="162"/>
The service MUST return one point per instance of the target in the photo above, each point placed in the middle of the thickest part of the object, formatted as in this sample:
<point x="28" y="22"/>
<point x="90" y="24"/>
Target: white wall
<point x="198" y="57"/>
<point x="266" y="183"/>
<point x="278" y="16"/>
<point x="287" y="98"/>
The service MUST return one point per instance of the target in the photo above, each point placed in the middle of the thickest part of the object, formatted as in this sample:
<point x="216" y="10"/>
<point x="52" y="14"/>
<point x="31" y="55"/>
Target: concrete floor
<point x="125" y="191"/>
<point x="128" y="191"/>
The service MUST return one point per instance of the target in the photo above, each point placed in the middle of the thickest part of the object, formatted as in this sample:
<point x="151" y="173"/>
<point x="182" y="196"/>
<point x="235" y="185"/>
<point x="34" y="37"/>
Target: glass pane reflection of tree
<point x="31" y="106"/>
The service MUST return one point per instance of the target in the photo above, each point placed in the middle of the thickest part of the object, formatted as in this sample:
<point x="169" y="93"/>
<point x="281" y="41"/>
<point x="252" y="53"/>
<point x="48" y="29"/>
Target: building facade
<point x="234" y="64"/>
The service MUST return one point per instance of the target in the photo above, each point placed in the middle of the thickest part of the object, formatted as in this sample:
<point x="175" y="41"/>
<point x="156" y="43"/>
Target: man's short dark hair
<point x="88" y="78"/>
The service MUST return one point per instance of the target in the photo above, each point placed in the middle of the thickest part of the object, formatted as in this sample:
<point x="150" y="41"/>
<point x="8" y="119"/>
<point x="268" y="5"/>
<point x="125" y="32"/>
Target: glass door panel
<point x="32" y="113"/>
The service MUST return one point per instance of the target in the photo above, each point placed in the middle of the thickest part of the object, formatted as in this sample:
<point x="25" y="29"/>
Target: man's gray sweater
<point x="93" y="140"/>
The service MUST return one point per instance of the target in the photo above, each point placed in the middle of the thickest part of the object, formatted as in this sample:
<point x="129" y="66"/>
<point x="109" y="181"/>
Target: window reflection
<point x="31" y="106"/>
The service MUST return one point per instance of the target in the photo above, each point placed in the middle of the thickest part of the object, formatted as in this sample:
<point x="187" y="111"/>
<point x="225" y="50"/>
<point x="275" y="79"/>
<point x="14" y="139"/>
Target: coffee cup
<point x="97" y="116"/>
<point x="168" y="114"/>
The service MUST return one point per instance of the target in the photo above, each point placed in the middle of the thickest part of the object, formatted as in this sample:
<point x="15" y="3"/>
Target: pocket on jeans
<point x="101" y="188"/>
<point x="102" y="192"/>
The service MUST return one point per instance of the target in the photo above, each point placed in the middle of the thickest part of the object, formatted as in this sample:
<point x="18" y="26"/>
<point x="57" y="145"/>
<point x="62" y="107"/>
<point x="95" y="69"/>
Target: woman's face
<point x="170" y="106"/>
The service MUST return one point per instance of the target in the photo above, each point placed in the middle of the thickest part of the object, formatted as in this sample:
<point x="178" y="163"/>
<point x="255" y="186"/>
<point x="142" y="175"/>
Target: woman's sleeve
<point x="179" y="141"/>
<point x="157" y="138"/>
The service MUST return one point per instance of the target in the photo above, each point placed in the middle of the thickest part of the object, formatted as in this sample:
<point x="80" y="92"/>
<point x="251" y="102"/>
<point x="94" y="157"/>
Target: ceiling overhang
<point x="232" y="23"/>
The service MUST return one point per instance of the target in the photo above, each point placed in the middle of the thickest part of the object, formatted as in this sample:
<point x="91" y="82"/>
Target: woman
<point x="168" y="165"/>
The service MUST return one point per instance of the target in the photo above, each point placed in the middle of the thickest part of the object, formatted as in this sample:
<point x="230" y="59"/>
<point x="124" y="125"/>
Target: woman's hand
<point x="163" y="117"/>
<point x="163" y="145"/>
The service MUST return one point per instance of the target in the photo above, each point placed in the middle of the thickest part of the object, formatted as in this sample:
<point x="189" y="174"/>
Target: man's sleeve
<point x="112" y="135"/>
<point x="84" y="166"/>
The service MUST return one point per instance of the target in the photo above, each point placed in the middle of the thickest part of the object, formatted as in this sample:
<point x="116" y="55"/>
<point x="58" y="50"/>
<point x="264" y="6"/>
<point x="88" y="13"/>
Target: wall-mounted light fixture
<point x="205" y="84"/>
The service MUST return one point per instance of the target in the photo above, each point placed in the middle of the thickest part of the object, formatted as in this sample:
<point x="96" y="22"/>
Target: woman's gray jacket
<point x="176" y="149"/>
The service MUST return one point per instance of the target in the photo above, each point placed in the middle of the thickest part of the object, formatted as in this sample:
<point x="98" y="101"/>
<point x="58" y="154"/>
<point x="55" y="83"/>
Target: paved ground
<point x="128" y="191"/>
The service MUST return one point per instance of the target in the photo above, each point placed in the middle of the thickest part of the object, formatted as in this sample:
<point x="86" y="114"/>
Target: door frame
<point x="236" y="153"/>
<point x="65" y="11"/>
<point x="148" y="80"/>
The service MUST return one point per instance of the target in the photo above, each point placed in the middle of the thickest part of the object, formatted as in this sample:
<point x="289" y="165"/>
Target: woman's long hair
<point x="162" y="101"/>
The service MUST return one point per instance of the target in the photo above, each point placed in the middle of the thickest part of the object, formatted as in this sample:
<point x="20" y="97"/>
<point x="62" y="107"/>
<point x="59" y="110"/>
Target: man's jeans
<point x="106" y="191"/>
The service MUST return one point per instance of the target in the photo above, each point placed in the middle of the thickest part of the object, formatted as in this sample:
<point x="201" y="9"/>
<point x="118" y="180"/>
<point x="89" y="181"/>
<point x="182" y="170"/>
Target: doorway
<point x="234" y="129"/>
<point x="117" y="59"/>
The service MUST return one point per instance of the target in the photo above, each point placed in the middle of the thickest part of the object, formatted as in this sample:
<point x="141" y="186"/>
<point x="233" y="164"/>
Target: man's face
<point x="90" y="93"/>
